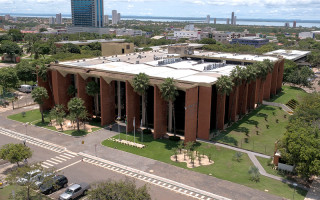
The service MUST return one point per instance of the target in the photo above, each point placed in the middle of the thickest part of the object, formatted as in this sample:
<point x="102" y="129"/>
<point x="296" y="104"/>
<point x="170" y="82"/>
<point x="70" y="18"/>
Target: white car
<point x="75" y="191"/>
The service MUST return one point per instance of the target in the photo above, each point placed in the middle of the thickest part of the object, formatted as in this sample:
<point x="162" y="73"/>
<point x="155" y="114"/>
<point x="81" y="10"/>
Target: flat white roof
<point x="244" y="57"/>
<point x="289" y="54"/>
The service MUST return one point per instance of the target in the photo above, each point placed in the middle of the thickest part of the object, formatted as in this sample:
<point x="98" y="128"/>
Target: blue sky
<point x="268" y="9"/>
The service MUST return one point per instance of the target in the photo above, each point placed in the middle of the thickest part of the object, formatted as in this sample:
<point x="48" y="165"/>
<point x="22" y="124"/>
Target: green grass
<point x="6" y="192"/>
<point x="224" y="166"/>
<point x="269" y="170"/>
<point x="34" y="117"/>
<point x="243" y="133"/>
<point x="288" y="93"/>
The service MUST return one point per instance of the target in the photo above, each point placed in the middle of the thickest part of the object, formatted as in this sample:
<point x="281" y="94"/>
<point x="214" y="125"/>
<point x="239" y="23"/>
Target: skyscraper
<point x="114" y="17"/>
<point x="208" y="19"/>
<point x="87" y="13"/>
<point x="106" y="20"/>
<point x="235" y="20"/>
<point x="51" y="20"/>
<point x="119" y="17"/>
<point x="294" y="24"/>
<point x="228" y="21"/>
<point x="215" y="20"/>
<point x="232" y="18"/>
<point x="58" y="18"/>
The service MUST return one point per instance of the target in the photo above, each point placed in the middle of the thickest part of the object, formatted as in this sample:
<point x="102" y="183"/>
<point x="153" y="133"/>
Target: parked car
<point x="75" y="191"/>
<point x="29" y="176"/>
<point x="25" y="88"/>
<point x="42" y="176"/>
<point x="56" y="183"/>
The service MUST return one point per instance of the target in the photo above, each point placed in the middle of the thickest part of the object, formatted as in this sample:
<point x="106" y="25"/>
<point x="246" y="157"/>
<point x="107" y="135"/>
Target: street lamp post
<point x="294" y="189"/>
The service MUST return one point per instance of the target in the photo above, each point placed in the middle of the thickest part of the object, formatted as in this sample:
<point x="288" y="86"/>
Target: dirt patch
<point x="69" y="125"/>
<point x="182" y="157"/>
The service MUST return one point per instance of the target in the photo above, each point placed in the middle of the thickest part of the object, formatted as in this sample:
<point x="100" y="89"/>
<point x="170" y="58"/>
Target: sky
<point x="252" y="9"/>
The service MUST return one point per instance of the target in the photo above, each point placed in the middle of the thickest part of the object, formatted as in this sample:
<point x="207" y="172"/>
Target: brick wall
<point x="191" y="114"/>
<point x="48" y="103"/>
<point x="267" y="87"/>
<point x="81" y="86"/>
<point x="221" y="104"/>
<point x="280" y="74"/>
<point x="160" y="114"/>
<point x="274" y="79"/>
<point x="132" y="107"/>
<point x="204" y="112"/>
<point x="60" y="86"/>
<point x="107" y="96"/>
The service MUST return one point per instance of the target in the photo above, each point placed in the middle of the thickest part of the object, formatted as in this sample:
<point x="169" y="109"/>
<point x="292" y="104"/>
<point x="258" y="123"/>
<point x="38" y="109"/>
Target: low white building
<point x="305" y="35"/>
<point x="192" y="35"/>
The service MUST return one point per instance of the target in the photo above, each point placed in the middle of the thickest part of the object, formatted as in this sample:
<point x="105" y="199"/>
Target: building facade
<point x="58" y="18"/>
<point x="87" y="13"/>
<point x="200" y="108"/>
<point x="114" y="17"/>
<point x="254" y="41"/>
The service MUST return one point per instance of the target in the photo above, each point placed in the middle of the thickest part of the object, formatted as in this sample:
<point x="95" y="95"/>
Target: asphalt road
<point x="77" y="171"/>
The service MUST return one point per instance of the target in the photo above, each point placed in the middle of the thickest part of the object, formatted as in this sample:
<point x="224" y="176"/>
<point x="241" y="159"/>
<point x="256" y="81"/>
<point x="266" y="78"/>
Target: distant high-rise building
<point x="232" y="18"/>
<point x="235" y="20"/>
<point x="294" y="24"/>
<point x="51" y="20"/>
<point x="106" y="20"/>
<point x="58" y="18"/>
<point x="87" y="13"/>
<point x="287" y="25"/>
<point x="215" y="20"/>
<point x="114" y="17"/>
<point x="208" y="19"/>
<point x="228" y="21"/>
<point x="119" y="17"/>
<point x="7" y="17"/>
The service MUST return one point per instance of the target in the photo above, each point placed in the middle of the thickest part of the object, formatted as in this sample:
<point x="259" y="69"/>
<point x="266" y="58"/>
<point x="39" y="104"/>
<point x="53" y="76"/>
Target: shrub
<point x="23" y="114"/>
<point x="174" y="138"/>
<point x="147" y="132"/>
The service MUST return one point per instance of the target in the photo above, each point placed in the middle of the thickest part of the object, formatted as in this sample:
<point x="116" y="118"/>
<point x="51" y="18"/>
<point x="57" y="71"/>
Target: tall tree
<point x="169" y="93"/>
<point x="10" y="48"/>
<point x="140" y="85"/>
<point x="39" y="95"/>
<point x="58" y="113"/>
<point x="15" y="153"/>
<point x="236" y="78"/>
<point x="77" y="110"/>
<point x="262" y="72"/>
<point x="252" y="73"/>
<point x="93" y="89"/>
<point x="8" y="78"/>
<point x="25" y="71"/>
<point x="15" y="34"/>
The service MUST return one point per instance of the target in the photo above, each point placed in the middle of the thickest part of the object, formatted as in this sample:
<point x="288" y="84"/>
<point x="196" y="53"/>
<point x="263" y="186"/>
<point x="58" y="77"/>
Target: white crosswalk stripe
<point x="59" y="158"/>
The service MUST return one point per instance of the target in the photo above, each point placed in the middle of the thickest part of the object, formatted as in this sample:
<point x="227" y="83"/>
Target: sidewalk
<point x="314" y="192"/>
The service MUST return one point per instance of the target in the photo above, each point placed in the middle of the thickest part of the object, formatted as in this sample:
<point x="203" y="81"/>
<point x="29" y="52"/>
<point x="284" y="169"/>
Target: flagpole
<point x="134" y="130"/>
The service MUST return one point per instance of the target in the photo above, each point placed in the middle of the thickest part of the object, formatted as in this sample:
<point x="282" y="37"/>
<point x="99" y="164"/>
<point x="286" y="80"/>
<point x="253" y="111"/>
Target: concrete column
<point x="274" y="80"/>
<point x="204" y="112"/>
<point x="88" y="100"/>
<point x="48" y="103"/>
<point x="132" y="107"/>
<point x="144" y="110"/>
<point x="191" y="115"/>
<point x="221" y="104"/>
<point x="107" y="93"/>
<point x="280" y="75"/>
<point x="234" y="103"/>
<point x="256" y="97"/>
<point x="244" y="99"/>
<point x="160" y="114"/>
<point x="267" y="87"/>
<point x="60" y="86"/>
<point x="170" y="118"/>
<point x="252" y="94"/>
<point x="119" y="98"/>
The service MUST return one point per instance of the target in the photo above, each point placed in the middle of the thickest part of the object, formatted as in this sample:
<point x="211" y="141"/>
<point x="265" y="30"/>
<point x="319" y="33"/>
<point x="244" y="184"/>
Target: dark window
<point x="122" y="51"/>
<point x="128" y="46"/>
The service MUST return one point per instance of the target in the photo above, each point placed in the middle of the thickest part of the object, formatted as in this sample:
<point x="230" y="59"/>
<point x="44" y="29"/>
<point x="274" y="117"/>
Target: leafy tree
<point x="58" y="113"/>
<point x="140" y="85"/>
<point x="169" y="93"/>
<point x="15" y="153"/>
<point x="300" y="147"/>
<point x="42" y="72"/>
<point x="124" y="190"/>
<point x="8" y="78"/>
<point x="95" y="46"/>
<point x="72" y="91"/>
<point x="77" y="110"/>
<point x="25" y="71"/>
<point x="42" y="30"/>
<point x="295" y="75"/>
<point x="72" y="48"/>
<point x="237" y="156"/>
<point x="10" y="48"/>
<point x="39" y="95"/>
<point x="207" y="41"/>
<point x="92" y="88"/>
<point x="15" y="34"/>
<point x="175" y="153"/>
<point x="254" y="173"/>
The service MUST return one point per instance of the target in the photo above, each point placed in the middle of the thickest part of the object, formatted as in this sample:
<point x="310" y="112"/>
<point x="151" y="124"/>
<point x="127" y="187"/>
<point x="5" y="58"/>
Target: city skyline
<point x="282" y="9"/>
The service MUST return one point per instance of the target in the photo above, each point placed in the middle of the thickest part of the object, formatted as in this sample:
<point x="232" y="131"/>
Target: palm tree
<point x="140" y="85"/>
<point x="169" y="93"/>
<point x="263" y="69"/>
<point x="224" y="86"/>
<point x="235" y="76"/>
<point x="243" y="75"/>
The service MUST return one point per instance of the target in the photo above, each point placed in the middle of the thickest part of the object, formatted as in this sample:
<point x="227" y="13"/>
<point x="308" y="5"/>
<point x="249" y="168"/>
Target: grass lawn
<point x="243" y="133"/>
<point x="34" y="117"/>
<point x="224" y="167"/>
<point x="269" y="170"/>
<point x="287" y="94"/>
<point x="6" y="192"/>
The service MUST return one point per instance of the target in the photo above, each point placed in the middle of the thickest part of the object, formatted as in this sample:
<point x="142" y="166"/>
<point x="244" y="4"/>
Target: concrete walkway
<point x="280" y="105"/>
<point x="314" y="191"/>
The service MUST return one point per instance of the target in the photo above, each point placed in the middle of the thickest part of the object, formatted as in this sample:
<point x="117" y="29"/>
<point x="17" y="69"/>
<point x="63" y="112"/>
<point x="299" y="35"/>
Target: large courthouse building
<point x="199" y="108"/>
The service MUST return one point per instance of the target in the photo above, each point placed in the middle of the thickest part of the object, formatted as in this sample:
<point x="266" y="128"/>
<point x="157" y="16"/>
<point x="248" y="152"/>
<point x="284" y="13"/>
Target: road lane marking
<point x="61" y="158"/>
<point x="52" y="162"/>
<point x="65" y="157"/>
<point x="69" y="165"/>
<point x="69" y="155"/>
<point x="59" y="161"/>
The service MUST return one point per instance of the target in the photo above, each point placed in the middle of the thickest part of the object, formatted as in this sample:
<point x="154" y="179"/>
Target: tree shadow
<point x="262" y="115"/>
<point x="252" y="122"/>
<point x="229" y="140"/>
<point x="242" y="130"/>
<point x="269" y="108"/>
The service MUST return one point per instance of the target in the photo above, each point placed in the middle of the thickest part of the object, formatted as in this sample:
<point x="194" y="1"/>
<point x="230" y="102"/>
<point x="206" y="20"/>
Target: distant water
<point x="258" y="22"/>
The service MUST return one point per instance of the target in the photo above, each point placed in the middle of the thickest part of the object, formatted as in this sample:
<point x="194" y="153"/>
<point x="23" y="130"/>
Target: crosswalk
<point x="61" y="158"/>
<point x="152" y="179"/>
<point x="32" y="140"/>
